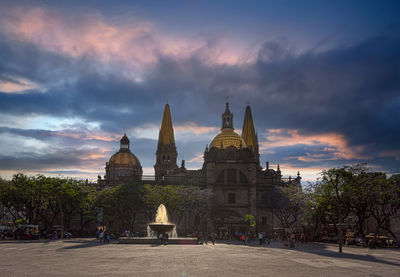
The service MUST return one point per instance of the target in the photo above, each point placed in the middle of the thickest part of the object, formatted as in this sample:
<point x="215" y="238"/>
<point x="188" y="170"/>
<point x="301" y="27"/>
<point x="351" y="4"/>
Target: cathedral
<point x="231" y="171"/>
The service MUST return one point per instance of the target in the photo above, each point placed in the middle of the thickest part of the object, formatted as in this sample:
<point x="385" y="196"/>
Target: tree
<point x="334" y="185"/>
<point x="86" y="207"/>
<point x="287" y="203"/>
<point x="250" y="219"/>
<point x="121" y="205"/>
<point x="41" y="200"/>
<point x="384" y="201"/>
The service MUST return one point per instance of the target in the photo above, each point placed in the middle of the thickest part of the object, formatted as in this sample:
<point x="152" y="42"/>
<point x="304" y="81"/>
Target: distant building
<point x="122" y="167"/>
<point x="231" y="171"/>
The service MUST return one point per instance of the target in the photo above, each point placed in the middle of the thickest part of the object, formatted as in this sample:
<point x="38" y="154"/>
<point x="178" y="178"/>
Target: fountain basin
<point x="161" y="227"/>
<point x="155" y="241"/>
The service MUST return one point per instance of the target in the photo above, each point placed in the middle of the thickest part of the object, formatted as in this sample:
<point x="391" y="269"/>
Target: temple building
<point x="231" y="172"/>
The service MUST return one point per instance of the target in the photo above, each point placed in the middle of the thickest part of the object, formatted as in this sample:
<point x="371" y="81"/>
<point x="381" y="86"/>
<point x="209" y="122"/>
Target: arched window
<point x="231" y="198"/>
<point x="242" y="177"/>
<point x="221" y="177"/>
<point x="232" y="176"/>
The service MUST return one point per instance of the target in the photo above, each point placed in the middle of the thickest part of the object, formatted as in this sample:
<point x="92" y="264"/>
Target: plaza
<point x="86" y="257"/>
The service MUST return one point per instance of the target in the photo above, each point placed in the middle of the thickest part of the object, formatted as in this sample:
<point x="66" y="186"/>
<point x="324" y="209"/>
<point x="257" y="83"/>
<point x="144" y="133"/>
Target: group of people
<point x="163" y="238"/>
<point x="206" y="238"/>
<point x="246" y="238"/>
<point x="104" y="237"/>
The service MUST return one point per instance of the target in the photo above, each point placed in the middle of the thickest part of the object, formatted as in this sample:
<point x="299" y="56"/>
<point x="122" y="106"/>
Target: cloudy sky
<point x="322" y="79"/>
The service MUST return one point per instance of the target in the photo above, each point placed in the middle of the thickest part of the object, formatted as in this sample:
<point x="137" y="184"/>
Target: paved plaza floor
<point x="86" y="257"/>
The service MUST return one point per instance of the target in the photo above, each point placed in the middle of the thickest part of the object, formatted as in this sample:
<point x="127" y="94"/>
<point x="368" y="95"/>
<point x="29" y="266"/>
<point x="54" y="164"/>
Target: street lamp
<point x="340" y="225"/>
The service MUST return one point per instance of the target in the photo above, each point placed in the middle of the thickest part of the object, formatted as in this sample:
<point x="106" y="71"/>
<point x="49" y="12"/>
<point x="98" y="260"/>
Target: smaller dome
<point x="227" y="138"/>
<point x="124" y="158"/>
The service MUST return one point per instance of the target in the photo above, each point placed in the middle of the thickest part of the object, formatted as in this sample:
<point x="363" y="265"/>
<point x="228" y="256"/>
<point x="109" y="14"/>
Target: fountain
<point x="162" y="225"/>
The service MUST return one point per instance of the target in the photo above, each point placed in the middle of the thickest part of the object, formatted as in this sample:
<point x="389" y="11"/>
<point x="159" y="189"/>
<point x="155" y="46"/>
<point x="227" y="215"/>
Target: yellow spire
<point x="248" y="133"/>
<point x="166" y="135"/>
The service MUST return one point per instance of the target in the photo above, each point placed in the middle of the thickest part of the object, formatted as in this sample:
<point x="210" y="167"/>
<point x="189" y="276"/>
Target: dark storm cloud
<point x="352" y="90"/>
<point x="70" y="149"/>
<point x="63" y="158"/>
<point x="26" y="60"/>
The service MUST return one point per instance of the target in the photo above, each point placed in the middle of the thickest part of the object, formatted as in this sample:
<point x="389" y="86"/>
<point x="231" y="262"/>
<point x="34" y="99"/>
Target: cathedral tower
<point x="166" y="154"/>
<point x="248" y="133"/>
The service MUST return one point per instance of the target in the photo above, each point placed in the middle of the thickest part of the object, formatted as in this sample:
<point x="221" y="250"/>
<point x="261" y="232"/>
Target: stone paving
<point x="86" y="257"/>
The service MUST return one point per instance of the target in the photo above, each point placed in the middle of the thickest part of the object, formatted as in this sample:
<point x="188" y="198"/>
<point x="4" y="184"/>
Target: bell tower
<point x="249" y="135"/>
<point x="166" y="155"/>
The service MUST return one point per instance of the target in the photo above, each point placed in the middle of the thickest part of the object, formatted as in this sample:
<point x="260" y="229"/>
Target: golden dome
<point x="228" y="138"/>
<point x="124" y="158"/>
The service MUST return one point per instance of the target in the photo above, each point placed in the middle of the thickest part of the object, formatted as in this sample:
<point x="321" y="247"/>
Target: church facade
<point x="231" y="172"/>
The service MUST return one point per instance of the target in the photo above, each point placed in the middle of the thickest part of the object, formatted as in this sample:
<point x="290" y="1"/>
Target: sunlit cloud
<point x="192" y="127"/>
<point x="47" y="122"/>
<point x="150" y="131"/>
<point x="101" y="154"/>
<point x="85" y="135"/>
<point x="147" y="131"/>
<point x="137" y="44"/>
<point x="19" y="146"/>
<point x="17" y="85"/>
<point x="335" y="144"/>
<point x="394" y="154"/>
<point x="308" y="174"/>
<point x="198" y="158"/>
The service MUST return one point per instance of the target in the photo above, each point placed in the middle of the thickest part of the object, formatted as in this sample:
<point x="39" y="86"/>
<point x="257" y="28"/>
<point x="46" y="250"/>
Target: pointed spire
<point x="279" y="168"/>
<point x="166" y="135"/>
<point x="248" y="132"/>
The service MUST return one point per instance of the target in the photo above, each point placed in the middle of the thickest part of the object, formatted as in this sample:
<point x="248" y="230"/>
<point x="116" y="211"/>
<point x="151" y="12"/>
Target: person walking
<point x="243" y="239"/>
<point x="160" y="237"/>
<point x="213" y="236"/>
<point x="166" y="238"/>
<point x="260" y="238"/>
<point x="101" y="237"/>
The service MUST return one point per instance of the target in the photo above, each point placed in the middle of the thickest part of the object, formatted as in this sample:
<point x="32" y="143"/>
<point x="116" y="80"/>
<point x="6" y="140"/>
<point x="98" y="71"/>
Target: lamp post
<point x="340" y="223"/>
<point x="340" y="232"/>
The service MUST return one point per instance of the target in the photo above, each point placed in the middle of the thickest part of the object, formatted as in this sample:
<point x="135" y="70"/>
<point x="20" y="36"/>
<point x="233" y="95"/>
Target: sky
<point x="322" y="79"/>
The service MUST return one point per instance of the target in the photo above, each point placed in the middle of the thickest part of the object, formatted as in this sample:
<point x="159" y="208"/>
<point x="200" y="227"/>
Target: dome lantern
<point x="124" y="143"/>
<point x="227" y="118"/>
<point x="227" y="137"/>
